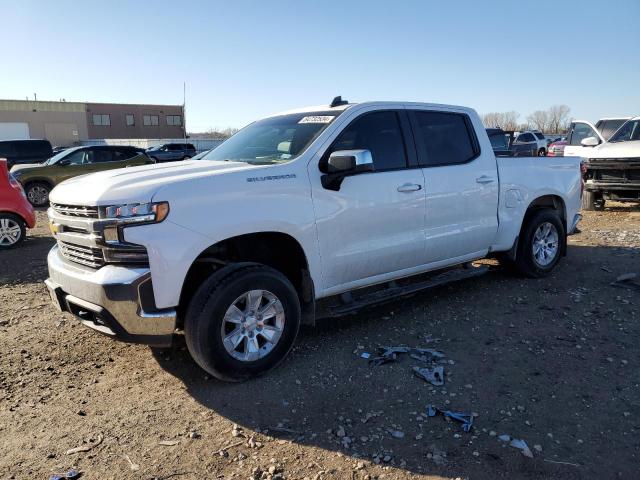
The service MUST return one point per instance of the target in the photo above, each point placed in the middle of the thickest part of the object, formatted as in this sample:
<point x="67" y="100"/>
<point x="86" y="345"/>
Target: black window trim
<point x="410" y="155"/>
<point x="421" y="151"/>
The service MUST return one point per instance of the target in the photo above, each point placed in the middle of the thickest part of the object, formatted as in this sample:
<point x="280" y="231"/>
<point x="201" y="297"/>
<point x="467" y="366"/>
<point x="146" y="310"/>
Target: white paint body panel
<point x="364" y="234"/>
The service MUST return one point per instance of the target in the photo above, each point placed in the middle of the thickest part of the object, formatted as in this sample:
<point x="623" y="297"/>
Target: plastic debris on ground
<point x="522" y="446"/>
<point x="69" y="475"/>
<point x="627" y="280"/>
<point x="390" y="354"/>
<point x="465" y="418"/>
<point x="433" y="375"/>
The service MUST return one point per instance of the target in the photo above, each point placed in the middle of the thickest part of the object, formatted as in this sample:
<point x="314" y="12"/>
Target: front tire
<point x="542" y="152"/>
<point x="12" y="231"/>
<point x="38" y="194"/>
<point x="541" y="244"/>
<point x="242" y="321"/>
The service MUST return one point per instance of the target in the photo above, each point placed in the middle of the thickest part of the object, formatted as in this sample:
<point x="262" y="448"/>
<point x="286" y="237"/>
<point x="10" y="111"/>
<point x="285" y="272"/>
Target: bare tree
<point x="504" y="120"/>
<point x="510" y="120"/>
<point x="558" y="117"/>
<point x="539" y="119"/>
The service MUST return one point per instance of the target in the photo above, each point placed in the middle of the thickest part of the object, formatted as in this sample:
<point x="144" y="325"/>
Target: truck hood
<point x="616" y="150"/>
<point x="136" y="184"/>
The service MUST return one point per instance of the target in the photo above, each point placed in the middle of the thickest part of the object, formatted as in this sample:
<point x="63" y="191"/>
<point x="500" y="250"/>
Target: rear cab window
<point x="444" y="138"/>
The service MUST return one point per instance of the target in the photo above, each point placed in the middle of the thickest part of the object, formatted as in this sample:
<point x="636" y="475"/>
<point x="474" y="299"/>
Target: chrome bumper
<point x="115" y="300"/>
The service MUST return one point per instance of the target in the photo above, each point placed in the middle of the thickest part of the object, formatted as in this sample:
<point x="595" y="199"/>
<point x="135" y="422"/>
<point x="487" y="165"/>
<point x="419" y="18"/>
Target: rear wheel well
<point x="37" y="180"/>
<point x="553" y="202"/>
<point x="547" y="202"/>
<point x="274" y="249"/>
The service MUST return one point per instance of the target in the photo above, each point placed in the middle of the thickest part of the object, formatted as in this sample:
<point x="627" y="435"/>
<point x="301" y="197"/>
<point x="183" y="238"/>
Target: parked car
<point x="612" y="169"/>
<point x="533" y="136"/>
<point x="16" y="213"/>
<point x="18" y="152"/>
<point x="170" y="152"/>
<point x="39" y="179"/>
<point x="504" y="146"/>
<point x="556" y="149"/>
<point x="317" y="213"/>
<point x="580" y="130"/>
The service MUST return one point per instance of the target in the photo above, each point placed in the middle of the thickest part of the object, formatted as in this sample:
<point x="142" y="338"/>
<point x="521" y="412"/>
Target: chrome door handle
<point x="409" y="187"/>
<point x="484" y="179"/>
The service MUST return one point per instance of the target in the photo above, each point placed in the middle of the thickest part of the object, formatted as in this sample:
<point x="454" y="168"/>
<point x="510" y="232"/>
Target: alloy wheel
<point x="545" y="244"/>
<point x="10" y="232"/>
<point x="253" y="325"/>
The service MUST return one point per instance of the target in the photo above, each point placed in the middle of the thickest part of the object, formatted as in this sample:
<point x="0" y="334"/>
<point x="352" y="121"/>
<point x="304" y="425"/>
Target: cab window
<point x="378" y="132"/>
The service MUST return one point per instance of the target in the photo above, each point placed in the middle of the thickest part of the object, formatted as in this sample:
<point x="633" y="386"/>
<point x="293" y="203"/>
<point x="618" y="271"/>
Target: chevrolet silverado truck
<point x="612" y="169"/>
<point x="306" y="214"/>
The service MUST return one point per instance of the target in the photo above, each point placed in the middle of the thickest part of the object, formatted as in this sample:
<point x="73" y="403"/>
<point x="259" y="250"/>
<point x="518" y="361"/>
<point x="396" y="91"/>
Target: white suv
<point x="531" y="136"/>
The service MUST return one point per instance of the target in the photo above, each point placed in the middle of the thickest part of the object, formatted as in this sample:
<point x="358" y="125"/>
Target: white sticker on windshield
<point x="317" y="119"/>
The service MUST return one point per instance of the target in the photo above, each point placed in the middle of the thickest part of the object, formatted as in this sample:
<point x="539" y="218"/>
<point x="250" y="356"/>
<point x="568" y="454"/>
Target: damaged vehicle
<point x="305" y="214"/>
<point x="612" y="169"/>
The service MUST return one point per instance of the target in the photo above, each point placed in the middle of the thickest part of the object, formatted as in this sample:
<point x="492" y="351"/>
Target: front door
<point x="578" y="131"/>
<point x="374" y="224"/>
<point x="461" y="185"/>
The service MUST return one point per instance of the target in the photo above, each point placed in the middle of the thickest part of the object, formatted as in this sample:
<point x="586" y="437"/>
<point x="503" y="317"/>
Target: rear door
<point x="577" y="132"/>
<point x="461" y="185"/>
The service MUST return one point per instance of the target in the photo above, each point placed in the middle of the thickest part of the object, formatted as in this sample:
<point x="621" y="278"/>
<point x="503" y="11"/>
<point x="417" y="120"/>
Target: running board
<point x="350" y="302"/>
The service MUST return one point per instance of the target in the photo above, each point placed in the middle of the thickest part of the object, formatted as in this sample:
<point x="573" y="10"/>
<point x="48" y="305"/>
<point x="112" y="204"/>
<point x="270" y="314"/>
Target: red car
<point x="16" y="213"/>
<point x="556" y="149"/>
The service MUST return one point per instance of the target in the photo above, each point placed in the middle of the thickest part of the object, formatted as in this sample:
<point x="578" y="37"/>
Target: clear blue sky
<point x="243" y="59"/>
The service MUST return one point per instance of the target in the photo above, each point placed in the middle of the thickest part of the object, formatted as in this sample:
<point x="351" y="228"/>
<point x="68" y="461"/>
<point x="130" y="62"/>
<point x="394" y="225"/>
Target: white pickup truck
<point x="304" y="214"/>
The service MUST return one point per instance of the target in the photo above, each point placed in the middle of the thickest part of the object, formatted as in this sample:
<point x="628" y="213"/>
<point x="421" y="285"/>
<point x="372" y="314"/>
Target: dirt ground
<point x="554" y="362"/>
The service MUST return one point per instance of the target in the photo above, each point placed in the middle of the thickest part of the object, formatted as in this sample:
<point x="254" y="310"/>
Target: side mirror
<point x="590" y="142"/>
<point x="63" y="163"/>
<point x="345" y="163"/>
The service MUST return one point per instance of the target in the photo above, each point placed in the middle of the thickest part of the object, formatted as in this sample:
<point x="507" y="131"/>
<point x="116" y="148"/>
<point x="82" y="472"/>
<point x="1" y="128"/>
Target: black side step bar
<point x="350" y="302"/>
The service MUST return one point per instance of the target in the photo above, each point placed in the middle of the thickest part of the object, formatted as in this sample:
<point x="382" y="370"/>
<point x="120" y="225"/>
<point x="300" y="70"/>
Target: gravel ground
<point x="553" y="362"/>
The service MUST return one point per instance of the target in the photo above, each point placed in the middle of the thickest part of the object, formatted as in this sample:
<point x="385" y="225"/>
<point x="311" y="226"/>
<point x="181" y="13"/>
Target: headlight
<point x="137" y="212"/>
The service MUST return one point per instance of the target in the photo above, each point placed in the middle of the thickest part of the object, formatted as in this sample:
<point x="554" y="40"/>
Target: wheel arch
<point x="32" y="180"/>
<point x="544" y="202"/>
<point x="278" y="250"/>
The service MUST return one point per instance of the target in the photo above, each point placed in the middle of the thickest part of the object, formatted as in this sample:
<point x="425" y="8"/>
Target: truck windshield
<point x="273" y="140"/>
<point x="629" y="131"/>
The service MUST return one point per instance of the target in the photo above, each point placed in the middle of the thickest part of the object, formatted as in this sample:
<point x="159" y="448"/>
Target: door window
<point x="525" y="138"/>
<point x="76" y="158"/>
<point x="100" y="156"/>
<point x="580" y="131"/>
<point x="444" y="138"/>
<point x="378" y="132"/>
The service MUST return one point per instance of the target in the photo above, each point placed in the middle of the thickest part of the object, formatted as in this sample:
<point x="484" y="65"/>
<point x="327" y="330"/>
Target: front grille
<point x="75" y="210"/>
<point x="91" y="257"/>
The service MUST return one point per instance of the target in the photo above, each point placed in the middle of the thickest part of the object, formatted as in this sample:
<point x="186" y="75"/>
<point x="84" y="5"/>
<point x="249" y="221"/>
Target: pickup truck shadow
<point x="489" y="327"/>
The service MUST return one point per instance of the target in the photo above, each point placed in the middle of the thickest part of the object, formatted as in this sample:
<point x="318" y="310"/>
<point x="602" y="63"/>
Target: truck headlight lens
<point x="138" y="212"/>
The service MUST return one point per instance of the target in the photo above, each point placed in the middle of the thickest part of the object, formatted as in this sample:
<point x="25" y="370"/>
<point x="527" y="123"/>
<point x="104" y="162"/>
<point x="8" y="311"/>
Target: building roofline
<point x="92" y="103"/>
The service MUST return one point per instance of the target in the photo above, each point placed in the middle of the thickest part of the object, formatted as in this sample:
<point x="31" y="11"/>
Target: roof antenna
<point x="337" y="101"/>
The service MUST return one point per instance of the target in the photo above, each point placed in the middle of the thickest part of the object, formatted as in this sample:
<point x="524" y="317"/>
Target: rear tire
<point x="542" y="152"/>
<point x="38" y="193"/>
<point x="12" y="231"/>
<point x="541" y="244"/>
<point x="228" y="324"/>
